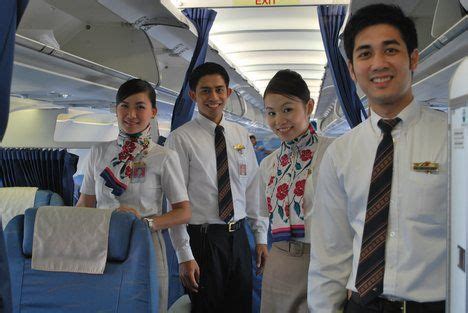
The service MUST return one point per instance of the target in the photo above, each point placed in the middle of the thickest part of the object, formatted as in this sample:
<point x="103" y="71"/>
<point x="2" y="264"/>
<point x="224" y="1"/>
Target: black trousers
<point x="225" y="269"/>
<point x="380" y="305"/>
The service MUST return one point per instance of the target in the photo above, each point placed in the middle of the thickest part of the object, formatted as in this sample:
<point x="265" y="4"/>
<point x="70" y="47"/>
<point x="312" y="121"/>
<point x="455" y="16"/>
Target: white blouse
<point x="163" y="176"/>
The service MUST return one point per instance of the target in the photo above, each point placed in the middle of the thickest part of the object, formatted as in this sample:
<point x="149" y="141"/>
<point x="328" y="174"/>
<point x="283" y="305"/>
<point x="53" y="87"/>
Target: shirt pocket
<point x="150" y="189"/>
<point x="428" y="196"/>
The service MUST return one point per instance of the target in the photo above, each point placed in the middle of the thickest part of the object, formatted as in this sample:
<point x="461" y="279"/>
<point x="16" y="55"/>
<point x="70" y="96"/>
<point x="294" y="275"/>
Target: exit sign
<point x="250" y="3"/>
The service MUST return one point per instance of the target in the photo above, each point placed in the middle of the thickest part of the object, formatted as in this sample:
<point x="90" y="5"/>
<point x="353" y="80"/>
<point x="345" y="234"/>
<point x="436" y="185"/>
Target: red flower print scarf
<point x="285" y="190"/>
<point x="132" y="149"/>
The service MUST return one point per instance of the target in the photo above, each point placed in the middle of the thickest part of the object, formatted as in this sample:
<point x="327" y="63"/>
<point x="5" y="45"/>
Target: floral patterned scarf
<point x="132" y="149"/>
<point x="285" y="190"/>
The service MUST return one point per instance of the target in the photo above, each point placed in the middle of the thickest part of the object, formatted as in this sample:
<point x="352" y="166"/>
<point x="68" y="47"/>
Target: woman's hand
<point x="124" y="208"/>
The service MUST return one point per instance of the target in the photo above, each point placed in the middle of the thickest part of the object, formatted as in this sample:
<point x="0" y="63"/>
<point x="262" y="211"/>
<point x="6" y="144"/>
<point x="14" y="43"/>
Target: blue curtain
<point x="5" y="291"/>
<point x="10" y="16"/>
<point x="202" y="19"/>
<point x="331" y="19"/>
<point x="46" y="169"/>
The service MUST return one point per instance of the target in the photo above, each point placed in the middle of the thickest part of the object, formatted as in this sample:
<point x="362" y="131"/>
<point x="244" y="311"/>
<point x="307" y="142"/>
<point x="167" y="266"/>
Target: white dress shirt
<point x="268" y="168"/>
<point x="163" y="175"/>
<point x="194" y="142"/>
<point x="415" y="254"/>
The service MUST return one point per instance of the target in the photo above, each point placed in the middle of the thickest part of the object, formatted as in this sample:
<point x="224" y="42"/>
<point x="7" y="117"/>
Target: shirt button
<point x="392" y="234"/>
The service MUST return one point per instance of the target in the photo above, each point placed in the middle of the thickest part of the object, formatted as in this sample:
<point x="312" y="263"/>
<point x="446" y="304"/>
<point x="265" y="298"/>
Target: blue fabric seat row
<point x="129" y="282"/>
<point x="5" y="291"/>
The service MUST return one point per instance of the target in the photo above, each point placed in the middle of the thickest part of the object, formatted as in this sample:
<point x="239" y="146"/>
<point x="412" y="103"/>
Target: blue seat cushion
<point x="47" y="197"/>
<point x="120" y="229"/>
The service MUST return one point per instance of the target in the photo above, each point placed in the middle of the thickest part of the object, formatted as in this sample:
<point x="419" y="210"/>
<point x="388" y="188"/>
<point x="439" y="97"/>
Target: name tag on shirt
<point x="138" y="172"/>
<point x="426" y="167"/>
<point x="243" y="169"/>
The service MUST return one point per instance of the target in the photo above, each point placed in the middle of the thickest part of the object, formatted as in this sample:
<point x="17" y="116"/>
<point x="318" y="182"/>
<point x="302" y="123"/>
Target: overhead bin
<point x="172" y="32"/>
<point x="91" y="32"/>
<point x="100" y="44"/>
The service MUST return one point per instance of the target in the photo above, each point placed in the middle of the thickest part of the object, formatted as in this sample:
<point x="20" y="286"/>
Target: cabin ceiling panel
<point x="314" y="85"/>
<point x="278" y="66"/>
<point x="258" y="43"/>
<point x="283" y="57"/>
<point x="268" y="40"/>
<point x="266" y="19"/>
<point x="268" y="74"/>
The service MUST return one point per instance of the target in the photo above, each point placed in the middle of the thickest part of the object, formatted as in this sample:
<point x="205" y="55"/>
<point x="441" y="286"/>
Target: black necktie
<point x="226" y="208"/>
<point x="371" y="269"/>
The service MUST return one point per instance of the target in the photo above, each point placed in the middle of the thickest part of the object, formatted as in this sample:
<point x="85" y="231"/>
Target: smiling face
<point x="382" y="68"/>
<point x="287" y="117"/>
<point x="134" y="113"/>
<point x="211" y="94"/>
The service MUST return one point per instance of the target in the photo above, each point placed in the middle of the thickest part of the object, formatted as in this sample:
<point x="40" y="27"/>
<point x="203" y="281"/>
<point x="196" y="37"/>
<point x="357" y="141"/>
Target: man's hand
<point x="262" y="255"/>
<point x="124" y="208"/>
<point x="189" y="274"/>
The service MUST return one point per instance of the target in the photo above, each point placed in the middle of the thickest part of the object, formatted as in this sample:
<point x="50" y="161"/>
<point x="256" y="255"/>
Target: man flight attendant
<point x="220" y="171"/>
<point x="379" y="218"/>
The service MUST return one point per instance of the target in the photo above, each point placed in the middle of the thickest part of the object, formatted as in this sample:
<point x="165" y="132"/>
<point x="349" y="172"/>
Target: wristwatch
<point x="150" y="222"/>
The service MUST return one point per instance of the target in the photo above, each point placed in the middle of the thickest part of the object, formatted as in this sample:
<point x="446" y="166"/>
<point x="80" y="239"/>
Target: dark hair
<point x="380" y="14"/>
<point x="252" y="136"/>
<point x="289" y="84"/>
<point x="134" y="86"/>
<point x="208" y="68"/>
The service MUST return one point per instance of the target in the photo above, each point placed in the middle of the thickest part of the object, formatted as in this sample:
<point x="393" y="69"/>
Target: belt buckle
<point x="399" y="301"/>
<point x="296" y="248"/>
<point x="231" y="226"/>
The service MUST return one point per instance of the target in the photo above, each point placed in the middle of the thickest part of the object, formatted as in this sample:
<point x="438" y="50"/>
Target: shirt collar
<point x="408" y="116"/>
<point x="208" y="124"/>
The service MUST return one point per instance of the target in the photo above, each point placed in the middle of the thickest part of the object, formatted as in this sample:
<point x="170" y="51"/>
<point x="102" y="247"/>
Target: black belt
<point x="400" y="305"/>
<point x="229" y="227"/>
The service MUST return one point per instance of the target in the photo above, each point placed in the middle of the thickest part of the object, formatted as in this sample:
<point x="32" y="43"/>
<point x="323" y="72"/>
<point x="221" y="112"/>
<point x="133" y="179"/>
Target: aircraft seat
<point x="5" y="290"/>
<point x="128" y="284"/>
<point x="77" y="181"/>
<point x="15" y="200"/>
<point x="47" y="197"/>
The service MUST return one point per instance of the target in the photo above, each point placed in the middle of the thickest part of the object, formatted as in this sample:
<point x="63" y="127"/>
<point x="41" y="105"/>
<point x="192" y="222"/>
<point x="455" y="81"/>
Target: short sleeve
<point x="173" y="179"/>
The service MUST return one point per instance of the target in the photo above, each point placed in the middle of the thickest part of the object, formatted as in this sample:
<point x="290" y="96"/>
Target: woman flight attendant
<point x="288" y="180"/>
<point x="132" y="173"/>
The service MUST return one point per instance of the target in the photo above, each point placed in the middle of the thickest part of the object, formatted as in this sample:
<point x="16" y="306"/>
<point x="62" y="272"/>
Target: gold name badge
<point x="426" y="167"/>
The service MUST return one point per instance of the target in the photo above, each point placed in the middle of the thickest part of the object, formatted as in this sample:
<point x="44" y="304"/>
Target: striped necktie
<point x="371" y="268"/>
<point x="225" y="205"/>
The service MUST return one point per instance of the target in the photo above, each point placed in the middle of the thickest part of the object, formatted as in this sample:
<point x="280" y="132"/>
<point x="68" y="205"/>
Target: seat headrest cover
<point x="120" y="231"/>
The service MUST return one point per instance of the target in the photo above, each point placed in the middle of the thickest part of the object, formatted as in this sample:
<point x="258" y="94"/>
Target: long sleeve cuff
<point x="261" y="238"/>
<point x="184" y="255"/>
